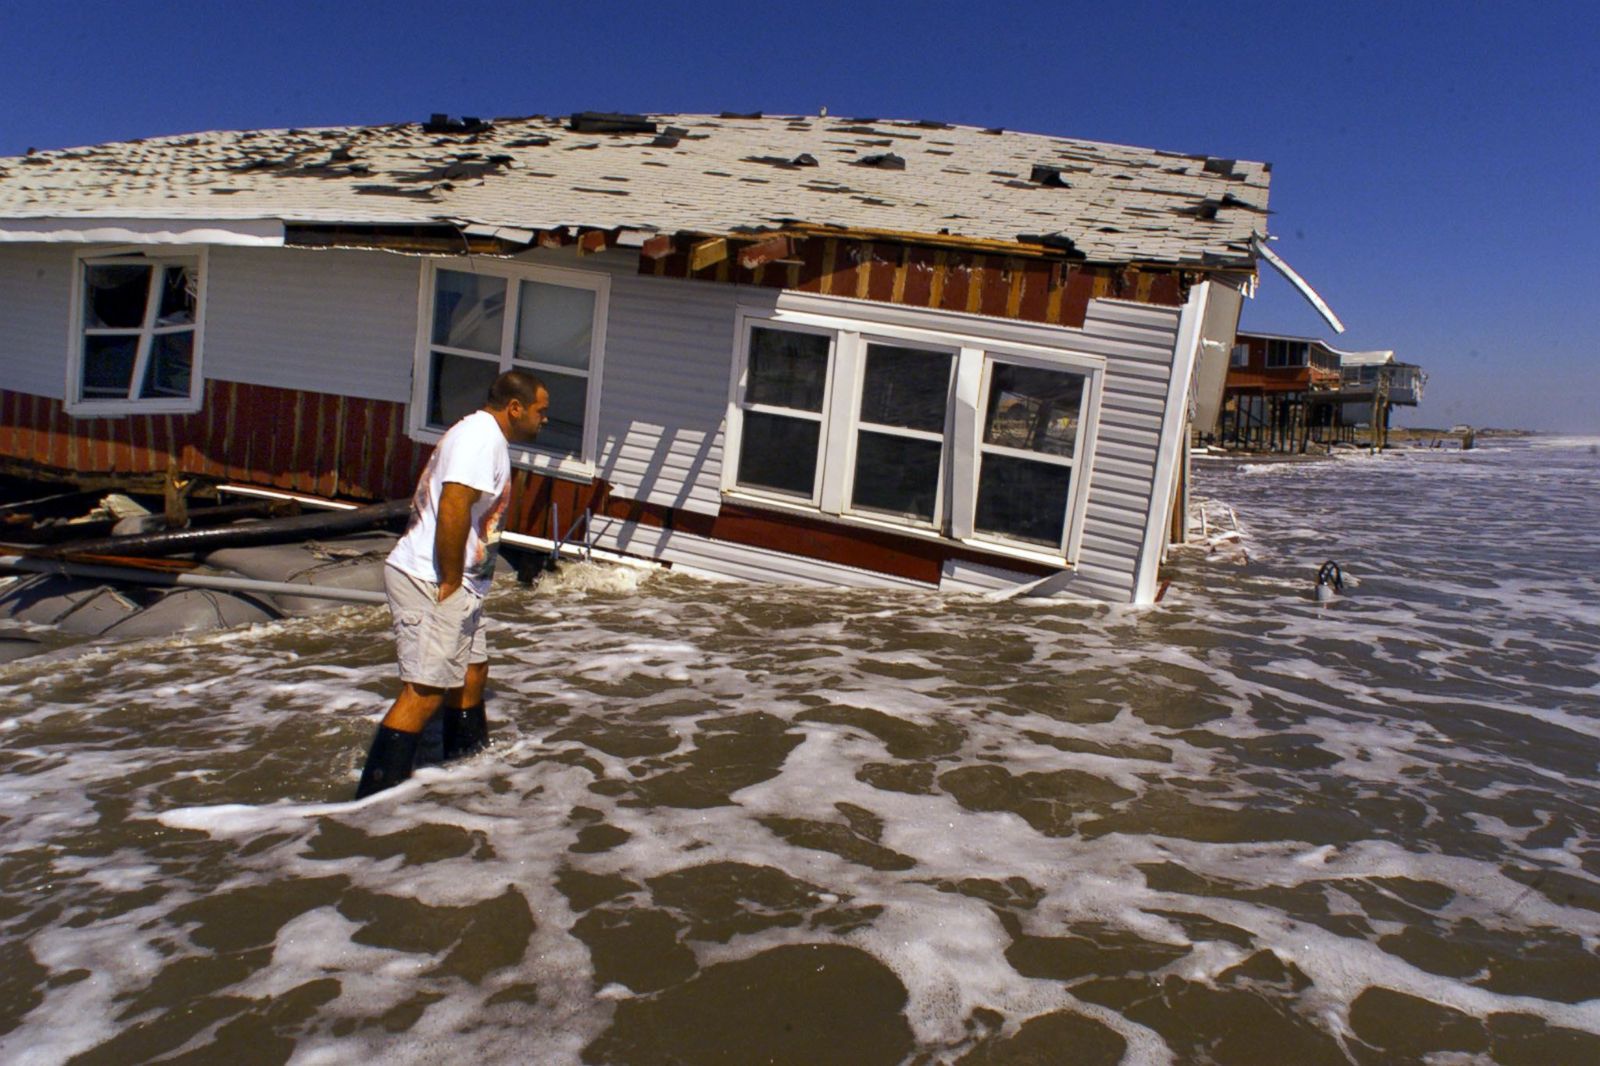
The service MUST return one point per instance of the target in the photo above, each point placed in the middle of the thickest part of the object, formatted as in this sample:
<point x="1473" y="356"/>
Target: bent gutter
<point x="1302" y="286"/>
<point x="1185" y="350"/>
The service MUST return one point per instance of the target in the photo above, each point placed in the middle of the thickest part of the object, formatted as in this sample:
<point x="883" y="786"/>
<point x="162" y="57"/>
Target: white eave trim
<point x="252" y="232"/>
<point x="1302" y="286"/>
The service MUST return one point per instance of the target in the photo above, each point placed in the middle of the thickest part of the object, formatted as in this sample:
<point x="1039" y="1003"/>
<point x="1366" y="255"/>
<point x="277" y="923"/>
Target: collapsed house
<point x="838" y="351"/>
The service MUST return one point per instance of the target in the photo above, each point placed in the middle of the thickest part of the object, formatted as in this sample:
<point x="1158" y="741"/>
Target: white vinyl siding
<point x="35" y="297"/>
<point x="1138" y="341"/>
<point x="665" y="387"/>
<point x="338" y="321"/>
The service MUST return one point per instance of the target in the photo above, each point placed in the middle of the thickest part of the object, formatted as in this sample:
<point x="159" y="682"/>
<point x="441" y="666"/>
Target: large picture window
<point x="946" y="435"/>
<point x="546" y="321"/>
<point x="136" y="342"/>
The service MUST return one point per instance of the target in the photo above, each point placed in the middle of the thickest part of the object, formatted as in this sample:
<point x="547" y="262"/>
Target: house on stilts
<point x="1283" y="393"/>
<point x="791" y="348"/>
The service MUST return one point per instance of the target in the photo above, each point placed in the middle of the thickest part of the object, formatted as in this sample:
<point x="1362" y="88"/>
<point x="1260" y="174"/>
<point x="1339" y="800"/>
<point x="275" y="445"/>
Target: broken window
<point x="546" y="321"/>
<point x="138" y="325"/>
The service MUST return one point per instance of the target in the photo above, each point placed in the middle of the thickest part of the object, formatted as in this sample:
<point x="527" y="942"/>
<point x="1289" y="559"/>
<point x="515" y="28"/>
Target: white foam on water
<point x="1463" y="689"/>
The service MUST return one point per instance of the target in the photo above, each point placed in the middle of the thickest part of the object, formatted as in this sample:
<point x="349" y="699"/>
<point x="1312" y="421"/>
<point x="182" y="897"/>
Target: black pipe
<point x="243" y="535"/>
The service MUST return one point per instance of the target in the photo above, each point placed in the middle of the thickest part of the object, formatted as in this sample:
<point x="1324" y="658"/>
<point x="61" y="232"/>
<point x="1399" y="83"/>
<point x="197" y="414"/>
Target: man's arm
<point x="450" y="534"/>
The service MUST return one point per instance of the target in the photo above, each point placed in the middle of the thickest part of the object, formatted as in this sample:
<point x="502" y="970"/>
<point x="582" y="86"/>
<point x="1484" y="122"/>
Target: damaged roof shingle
<point x="1105" y="202"/>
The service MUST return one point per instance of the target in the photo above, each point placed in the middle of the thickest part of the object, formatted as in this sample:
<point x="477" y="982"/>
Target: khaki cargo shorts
<point x="435" y="641"/>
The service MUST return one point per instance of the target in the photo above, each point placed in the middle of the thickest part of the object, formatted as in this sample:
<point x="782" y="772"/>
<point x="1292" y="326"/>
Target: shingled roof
<point x="701" y="174"/>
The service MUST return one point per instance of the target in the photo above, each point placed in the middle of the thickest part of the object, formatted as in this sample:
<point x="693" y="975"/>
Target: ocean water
<point x="725" y="823"/>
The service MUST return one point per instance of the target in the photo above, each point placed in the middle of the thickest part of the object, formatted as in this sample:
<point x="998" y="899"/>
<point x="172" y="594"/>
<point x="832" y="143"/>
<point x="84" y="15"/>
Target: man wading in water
<point x="438" y="574"/>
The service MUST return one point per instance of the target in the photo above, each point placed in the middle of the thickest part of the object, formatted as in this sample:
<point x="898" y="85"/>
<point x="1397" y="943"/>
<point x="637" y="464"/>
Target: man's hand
<point x="450" y="534"/>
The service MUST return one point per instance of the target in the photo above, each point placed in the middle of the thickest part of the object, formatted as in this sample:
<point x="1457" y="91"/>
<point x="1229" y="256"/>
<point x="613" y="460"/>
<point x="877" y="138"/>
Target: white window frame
<point x="1072" y="526"/>
<point x="747" y="326"/>
<point x="529" y="456"/>
<point x="978" y="343"/>
<point x="157" y="260"/>
<point x="849" y="426"/>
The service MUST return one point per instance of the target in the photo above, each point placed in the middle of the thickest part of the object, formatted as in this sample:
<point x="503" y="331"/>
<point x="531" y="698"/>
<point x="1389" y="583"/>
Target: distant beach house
<point x="1283" y="392"/>
<point x="1373" y="384"/>
<point x="838" y="351"/>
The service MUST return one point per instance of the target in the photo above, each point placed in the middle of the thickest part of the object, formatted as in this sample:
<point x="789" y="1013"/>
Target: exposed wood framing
<point x="658" y="247"/>
<point x="707" y="253"/>
<point x="415" y="240"/>
<point x="764" y="252"/>
<point x="1010" y="285"/>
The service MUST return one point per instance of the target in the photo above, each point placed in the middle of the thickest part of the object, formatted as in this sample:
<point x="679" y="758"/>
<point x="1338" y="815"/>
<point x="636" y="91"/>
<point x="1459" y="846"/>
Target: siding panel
<point x="664" y="394"/>
<point x="340" y="322"/>
<point x="35" y="295"/>
<point x="1137" y="341"/>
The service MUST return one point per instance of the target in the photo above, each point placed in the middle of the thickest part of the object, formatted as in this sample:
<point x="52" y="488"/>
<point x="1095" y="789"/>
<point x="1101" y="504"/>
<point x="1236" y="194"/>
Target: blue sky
<point x="1436" y="166"/>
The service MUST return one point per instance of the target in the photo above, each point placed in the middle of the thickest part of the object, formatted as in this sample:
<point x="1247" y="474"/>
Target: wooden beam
<point x="752" y="256"/>
<point x="707" y="253"/>
<point x="551" y="238"/>
<point x="594" y="240"/>
<point x="657" y="247"/>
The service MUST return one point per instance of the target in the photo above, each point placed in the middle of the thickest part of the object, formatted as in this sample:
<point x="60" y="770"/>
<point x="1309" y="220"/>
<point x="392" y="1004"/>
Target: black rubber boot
<point x="430" y="743"/>
<point x="466" y="731"/>
<point x="389" y="761"/>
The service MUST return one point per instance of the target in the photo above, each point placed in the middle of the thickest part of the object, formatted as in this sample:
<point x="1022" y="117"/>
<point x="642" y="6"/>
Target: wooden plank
<point x="761" y="253"/>
<point x="657" y="248"/>
<point x="707" y="253"/>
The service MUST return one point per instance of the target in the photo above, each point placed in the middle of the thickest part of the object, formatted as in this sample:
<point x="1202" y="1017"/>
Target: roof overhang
<point x="262" y="232"/>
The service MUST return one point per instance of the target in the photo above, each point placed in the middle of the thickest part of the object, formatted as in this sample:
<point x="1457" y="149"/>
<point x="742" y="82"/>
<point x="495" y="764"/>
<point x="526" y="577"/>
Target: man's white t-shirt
<point x="472" y="453"/>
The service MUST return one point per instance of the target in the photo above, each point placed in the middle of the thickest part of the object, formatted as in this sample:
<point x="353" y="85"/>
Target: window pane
<point x="897" y="475"/>
<point x="457" y="386"/>
<point x="114" y="296"/>
<point x="787" y="369"/>
<point x="779" y="453"/>
<point x="468" y="311"/>
<point x="167" y="373"/>
<point x="108" y="366"/>
<point x="555" y="325"/>
<point x="905" y="387"/>
<point x="563" y="428"/>
<point x="1023" y="499"/>
<point x="177" y="297"/>
<point x="1033" y="409"/>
